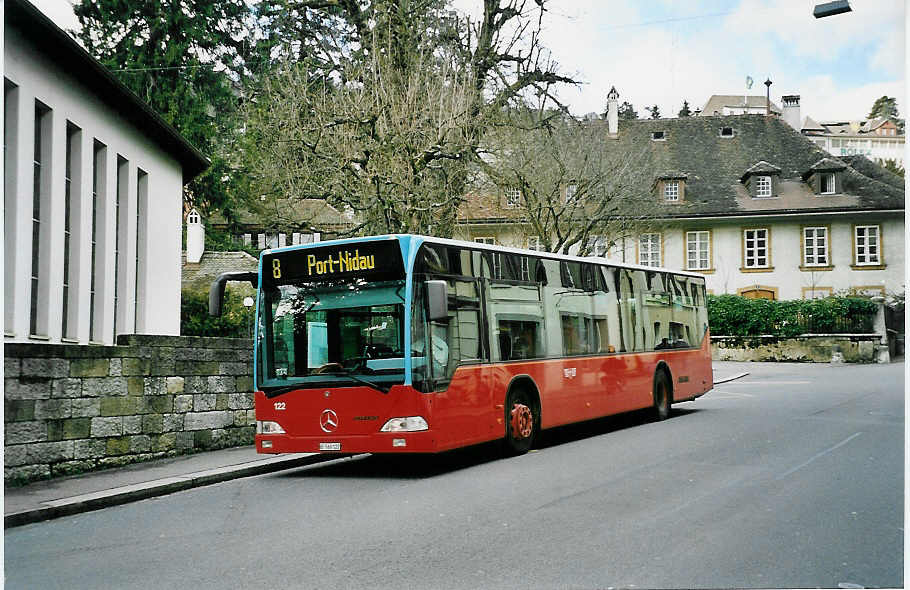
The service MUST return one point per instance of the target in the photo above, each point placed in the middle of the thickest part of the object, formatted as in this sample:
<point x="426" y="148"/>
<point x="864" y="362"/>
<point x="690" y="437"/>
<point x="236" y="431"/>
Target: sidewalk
<point x="729" y="370"/>
<point x="100" y="489"/>
<point x="92" y="491"/>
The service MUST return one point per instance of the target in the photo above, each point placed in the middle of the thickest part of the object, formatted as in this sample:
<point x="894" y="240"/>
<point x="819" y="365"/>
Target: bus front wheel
<point x="522" y="417"/>
<point x="662" y="395"/>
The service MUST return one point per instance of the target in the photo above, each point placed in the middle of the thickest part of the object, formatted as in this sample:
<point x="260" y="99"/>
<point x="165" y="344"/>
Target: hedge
<point x="234" y="322"/>
<point x="733" y="315"/>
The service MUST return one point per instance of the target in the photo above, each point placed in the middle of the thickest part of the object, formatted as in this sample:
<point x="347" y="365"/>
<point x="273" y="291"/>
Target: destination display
<point x="378" y="260"/>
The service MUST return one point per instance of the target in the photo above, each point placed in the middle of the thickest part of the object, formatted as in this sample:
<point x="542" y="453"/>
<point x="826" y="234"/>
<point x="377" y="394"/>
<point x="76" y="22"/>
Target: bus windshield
<point x="315" y="332"/>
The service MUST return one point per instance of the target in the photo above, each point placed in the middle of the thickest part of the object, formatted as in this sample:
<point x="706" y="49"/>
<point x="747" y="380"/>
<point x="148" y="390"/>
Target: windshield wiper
<point x="369" y="384"/>
<point x="276" y="391"/>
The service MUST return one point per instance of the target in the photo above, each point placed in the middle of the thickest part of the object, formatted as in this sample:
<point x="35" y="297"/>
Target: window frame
<point x="710" y="258"/>
<point x="879" y="259"/>
<point x="759" y="181"/>
<point x="649" y="253"/>
<point x="823" y="179"/>
<point x="671" y="190"/>
<point x="804" y="246"/>
<point x="751" y="254"/>
<point x="513" y="197"/>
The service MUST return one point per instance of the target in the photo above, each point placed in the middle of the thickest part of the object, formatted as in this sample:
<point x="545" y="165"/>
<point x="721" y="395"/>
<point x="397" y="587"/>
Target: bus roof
<point x="494" y="248"/>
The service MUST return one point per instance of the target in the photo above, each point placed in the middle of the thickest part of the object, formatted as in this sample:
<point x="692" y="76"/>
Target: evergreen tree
<point x="655" y="111"/>
<point x="175" y="55"/>
<point x="627" y="111"/>
<point x="684" y="111"/>
<point x="886" y="108"/>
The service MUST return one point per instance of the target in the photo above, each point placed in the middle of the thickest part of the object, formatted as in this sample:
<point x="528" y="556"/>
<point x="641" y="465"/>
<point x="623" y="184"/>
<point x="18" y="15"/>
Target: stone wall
<point x="822" y="348"/>
<point x="70" y="409"/>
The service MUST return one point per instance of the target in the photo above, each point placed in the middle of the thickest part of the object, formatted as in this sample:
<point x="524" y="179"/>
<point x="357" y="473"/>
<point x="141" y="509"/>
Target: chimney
<point x="791" y="111"/>
<point x="195" y="237"/>
<point x="613" y="112"/>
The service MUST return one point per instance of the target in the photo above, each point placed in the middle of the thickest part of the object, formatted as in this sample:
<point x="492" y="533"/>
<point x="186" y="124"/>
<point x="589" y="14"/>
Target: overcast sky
<point x="666" y="51"/>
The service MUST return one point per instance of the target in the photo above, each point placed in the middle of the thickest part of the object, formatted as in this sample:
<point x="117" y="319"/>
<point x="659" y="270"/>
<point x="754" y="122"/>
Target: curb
<point x="159" y="487"/>
<point x="731" y="378"/>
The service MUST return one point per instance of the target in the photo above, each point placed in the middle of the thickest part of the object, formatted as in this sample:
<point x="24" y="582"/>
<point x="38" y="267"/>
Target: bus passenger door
<point x="459" y="369"/>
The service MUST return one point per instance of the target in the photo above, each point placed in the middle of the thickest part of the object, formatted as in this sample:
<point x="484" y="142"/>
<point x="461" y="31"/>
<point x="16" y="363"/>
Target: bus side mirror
<point x="216" y="291"/>
<point x="437" y="301"/>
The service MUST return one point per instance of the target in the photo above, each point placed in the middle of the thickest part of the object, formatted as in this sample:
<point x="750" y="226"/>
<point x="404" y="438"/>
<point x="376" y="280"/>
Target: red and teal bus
<point x="415" y="344"/>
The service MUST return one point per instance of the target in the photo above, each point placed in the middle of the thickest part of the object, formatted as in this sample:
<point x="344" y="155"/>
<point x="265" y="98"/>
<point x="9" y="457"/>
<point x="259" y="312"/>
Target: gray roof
<point x="199" y="276"/>
<point x="717" y="102"/>
<point x="64" y="51"/>
<point x="715" y="166"/>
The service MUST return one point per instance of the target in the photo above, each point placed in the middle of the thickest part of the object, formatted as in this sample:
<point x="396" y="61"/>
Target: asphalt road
<point x="790" y="477"/>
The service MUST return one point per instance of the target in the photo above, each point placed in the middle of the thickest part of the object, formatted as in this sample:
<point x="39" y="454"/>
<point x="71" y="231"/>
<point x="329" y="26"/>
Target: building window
<point x="142" y="205"/>
<point x="758" y="292"/>
<point x="497" y="259"/>
<point x="815" y="246"/>
<point x="762" y="186"/>
<point x="120" y="229"/>
<point x="867" y="245"/>
<point x="260" y="241"/>
<point x="70" y="195"/>
<point x="649" y="250"/>
<point x="534" y="243"/>
<point x="571" y="191"/>
<point x="513" y="197"/>
<point x="247" y="239"/>
<point x="658" y="136"/>
<point x="597" y="246"/>
<point x="99" y="168"/>
<point x="726" y="132"/>
<point x="756" y="249"/>
<point x="698" y="250"/>
<point x="40" y="172"/>
<point x="671" y="190"/>
<point x="826" y="183"/>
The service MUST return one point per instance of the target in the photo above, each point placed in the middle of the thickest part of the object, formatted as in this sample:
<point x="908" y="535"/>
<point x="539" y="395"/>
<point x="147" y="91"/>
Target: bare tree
<point x="391" y="129"/>
<point x="574" y="189"/>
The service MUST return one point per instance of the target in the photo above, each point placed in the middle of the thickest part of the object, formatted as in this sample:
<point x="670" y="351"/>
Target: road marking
<point x="773" y="382"/>
<point x="731" y="395"/>
<point x="822" y="454"/>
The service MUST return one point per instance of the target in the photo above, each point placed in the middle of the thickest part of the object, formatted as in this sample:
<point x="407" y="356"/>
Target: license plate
<point x="332" y="446"/>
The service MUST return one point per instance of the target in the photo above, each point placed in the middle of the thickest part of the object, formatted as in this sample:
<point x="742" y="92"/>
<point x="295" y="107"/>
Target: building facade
<point x="93" y="195"/>
<point x="751" y="203"/>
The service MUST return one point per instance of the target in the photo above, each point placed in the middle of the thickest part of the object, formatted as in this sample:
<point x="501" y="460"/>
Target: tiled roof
<point x="717" y="103"/>
<point x="200" y="276"/>
<point x="289" y="214"/>
<point x="714" y="165"/>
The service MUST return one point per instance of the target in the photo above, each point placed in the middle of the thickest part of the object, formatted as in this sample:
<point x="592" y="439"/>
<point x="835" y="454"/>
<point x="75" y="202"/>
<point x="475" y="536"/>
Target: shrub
<point x="234" y="322"/>
<point x="732" y="315"/>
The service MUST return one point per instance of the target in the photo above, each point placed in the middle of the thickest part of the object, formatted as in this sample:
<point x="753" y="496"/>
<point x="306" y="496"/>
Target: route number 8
<point x="276" y="268"/>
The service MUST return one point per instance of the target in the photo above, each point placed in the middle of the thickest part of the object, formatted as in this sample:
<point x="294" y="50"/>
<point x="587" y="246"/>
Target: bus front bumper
<point x="381" y="442"/>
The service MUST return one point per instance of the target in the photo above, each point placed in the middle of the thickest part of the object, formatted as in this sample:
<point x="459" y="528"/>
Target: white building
<point x="748" y="201"/>
<point x="93" y="184"/>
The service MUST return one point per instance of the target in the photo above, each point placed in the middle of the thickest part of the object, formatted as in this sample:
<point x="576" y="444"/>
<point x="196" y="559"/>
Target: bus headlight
<point x="407" y="424"/>
<point x="268" y="427"/>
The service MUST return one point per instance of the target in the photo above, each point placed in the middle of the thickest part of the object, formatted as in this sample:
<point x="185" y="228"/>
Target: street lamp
<point x="831" y="8"/>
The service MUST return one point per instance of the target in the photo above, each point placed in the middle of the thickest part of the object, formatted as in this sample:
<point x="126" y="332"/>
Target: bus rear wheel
<point x="661" y="409"/>
<point x="522" y="422"/>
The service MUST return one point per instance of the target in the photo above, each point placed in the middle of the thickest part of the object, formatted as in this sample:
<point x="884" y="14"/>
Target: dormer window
<point x="671" y="190"/>
<point x="513" y="197"/>
<point x="762" y="186"/>
<point x="761" y="180"/>
<point x="825" y="176"/>
<point x="658" y="136"/>
<point x="827" y="183"/>
<point x="670" y="187"/>
<point x="726" y="132"/>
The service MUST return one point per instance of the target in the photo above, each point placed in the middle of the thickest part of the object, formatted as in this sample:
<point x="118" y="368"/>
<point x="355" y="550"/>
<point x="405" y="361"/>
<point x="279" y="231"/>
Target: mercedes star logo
<point x="328" y="421"/>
